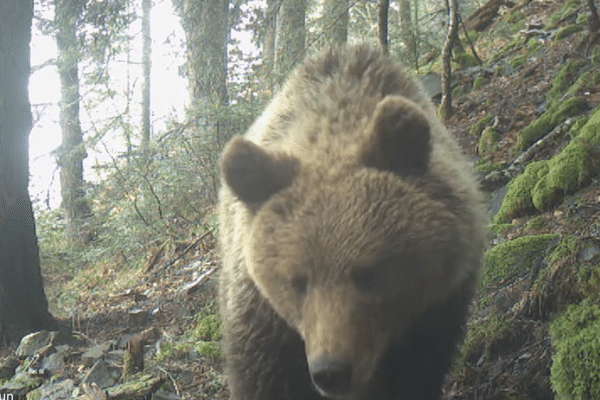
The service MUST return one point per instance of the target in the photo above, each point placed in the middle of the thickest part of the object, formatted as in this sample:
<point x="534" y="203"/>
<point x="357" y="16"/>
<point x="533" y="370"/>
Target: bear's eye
<point x="300" y="284"/>
<point x="368" y="279"/>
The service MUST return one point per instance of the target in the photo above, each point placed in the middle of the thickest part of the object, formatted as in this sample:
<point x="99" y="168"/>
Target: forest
<point x="108" y="285"/>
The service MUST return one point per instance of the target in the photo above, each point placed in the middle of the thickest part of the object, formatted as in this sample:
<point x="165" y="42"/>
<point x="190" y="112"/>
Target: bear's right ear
<point x="253" y="174"/>
<point x="400" y="138"/>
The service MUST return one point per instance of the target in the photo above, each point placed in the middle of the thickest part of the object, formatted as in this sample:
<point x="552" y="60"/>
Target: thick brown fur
<point x="352" y="232"/>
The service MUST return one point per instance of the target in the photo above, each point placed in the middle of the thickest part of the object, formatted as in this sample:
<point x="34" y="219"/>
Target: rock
<point x="93" y="354"/>
<point x="53" y="390"/>
<point x="588" y="252"/>
<point x="33" y="342"/>
<point x="102" y="375"/>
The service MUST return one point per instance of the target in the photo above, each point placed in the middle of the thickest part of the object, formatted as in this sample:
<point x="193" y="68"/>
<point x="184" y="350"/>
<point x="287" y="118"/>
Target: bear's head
<point x="352" y="256"/>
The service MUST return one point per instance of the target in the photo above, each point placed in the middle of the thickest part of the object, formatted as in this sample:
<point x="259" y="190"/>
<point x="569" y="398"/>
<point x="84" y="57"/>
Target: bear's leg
<point x="265" y="357"/>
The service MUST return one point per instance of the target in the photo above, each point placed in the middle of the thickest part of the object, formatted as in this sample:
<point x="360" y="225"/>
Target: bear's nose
<point x="332" y="377"/>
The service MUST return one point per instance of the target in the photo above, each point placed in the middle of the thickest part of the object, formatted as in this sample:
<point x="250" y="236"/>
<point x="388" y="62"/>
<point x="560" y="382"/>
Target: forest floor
<point x="176" y="288"/>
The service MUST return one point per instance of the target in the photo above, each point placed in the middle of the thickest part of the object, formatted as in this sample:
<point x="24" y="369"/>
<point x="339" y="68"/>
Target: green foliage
<point x="482" y="334"/>
<point x="575" y="367"/>
<point x="508" y="259"/>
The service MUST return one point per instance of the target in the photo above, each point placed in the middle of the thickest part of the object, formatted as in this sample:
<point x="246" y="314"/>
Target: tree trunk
<point x="146" y="62"/>
<point x="446" y="106"/>
<point x="206" y="27"/>
<point x="335" y="21"/>
<point x="23" y="304"/>
<point x="72" y="151"/>
<point x="407" y="32"/>
<point x="290" y="37"/>
<point x="384" y="6"/>
<point x="268" y="46"/>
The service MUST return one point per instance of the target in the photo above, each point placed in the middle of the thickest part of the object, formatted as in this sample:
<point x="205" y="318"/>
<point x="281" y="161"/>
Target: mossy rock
<point x="518" y="197"/>
<point x="513" y="257"/>
<point x="545" y="183"/>
<point x="547" y="121"/>
<point x="488" y="141"/>
<point x="572" y="167"/>
<point x="576" y="363"/>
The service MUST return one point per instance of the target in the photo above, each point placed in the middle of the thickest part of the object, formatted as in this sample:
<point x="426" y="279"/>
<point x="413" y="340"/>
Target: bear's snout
<point x="331" y="376"/>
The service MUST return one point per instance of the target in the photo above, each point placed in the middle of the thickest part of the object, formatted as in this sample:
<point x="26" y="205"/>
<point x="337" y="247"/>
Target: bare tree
<point x="72" y="150"/>
<point x="146" y="63"/>
<point x="384" y="6"/>
<point x="23" y="304"/>
<point x="446" y="106"/>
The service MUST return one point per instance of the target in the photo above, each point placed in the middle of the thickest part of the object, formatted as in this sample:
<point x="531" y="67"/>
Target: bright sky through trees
<point x="168" y="98"/>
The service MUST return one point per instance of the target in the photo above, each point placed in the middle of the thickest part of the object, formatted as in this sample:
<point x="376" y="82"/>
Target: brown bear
<point x="352" y="232"/>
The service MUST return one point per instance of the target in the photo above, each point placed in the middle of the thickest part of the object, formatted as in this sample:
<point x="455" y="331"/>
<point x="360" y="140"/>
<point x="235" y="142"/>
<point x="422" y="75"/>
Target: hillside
<point x="528" y="117"/>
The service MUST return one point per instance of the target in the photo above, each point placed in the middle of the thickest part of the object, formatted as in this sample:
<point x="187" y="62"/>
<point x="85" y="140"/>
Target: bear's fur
<point x="352" y="232"/>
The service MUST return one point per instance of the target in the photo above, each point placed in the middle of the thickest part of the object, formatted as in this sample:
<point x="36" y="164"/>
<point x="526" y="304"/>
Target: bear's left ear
<point x="400" y="138"/>
<point x="253" y="174"/>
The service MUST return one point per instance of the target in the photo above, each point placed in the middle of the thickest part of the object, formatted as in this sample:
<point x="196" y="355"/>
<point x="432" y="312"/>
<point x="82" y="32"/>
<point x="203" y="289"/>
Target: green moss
<point x="458" y="91"/>
<point x="573" y="166"/>
<point x="488" y="141"/>
<point x="208" y="328"/>
<point x="547" y="121"/>
<point x="566" y="31"/>
<point x="173" y="351"/>
<point x="517" y="61"/>
<point x="465" y="60"/>
<point x="480" y="81"/>
<point x="533" y="46"/>
<point x="478" y="126"/>
<point x="536" y="222"/>
<point x="576" y="363"/>
<point x="498" y="229"/>
<point x="484" y="165"/>
<point x="481" y="336"/>
<point x="595" y="56"/>
<point x="508" y="259"/>
<point x="589" y="280"/>
<point x="518" y="197"/>
<point x="567" y="8"/>
<point x="210" y="350"/>
<point x="564" y="78"/>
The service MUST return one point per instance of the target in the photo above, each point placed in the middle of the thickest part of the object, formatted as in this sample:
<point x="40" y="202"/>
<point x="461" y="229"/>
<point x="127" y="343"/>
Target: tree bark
<point x="146" y="62"/>
<point x="384" y="6"/>
<point x="23" y="304"/>
<point x="446" y="106"/>
<point x="335" y="21"/>
<point x="206" y="27"/>
<point x="290" y="37"/>
<point x="72" y="150"/>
